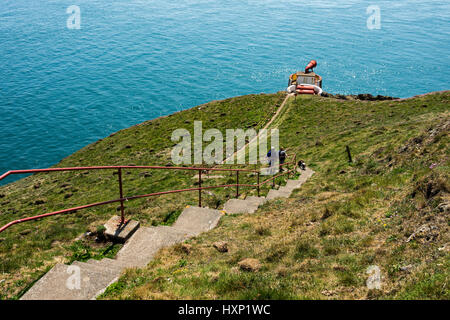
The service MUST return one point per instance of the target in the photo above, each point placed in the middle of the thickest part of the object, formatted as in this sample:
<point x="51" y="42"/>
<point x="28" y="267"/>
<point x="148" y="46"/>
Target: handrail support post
<point x="122" y="199"/>
<point x="258" y="184"/>
<point x="288" y="170"/>
<point x="237" y="184"/>
<point x="122" y="209"/>
<point x="200" y="188"/>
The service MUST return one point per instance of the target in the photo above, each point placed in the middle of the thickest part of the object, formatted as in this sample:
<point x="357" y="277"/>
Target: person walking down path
<point x="275" y="158"/>
<point x="282" y="157"/>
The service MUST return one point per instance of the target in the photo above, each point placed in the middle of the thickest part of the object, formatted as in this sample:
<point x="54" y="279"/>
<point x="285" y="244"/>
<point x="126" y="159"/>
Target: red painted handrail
<point x="116" y="167"/>
<point x="122" y="198"/>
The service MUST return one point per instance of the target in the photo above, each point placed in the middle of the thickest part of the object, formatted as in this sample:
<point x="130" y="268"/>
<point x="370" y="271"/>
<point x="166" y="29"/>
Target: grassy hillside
<point x="389" y="208"/>
<point x="317" y="244"/>
<point x="30" y="249"/>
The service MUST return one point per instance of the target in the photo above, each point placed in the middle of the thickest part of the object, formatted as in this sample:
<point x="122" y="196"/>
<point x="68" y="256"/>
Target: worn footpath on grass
<point x="389" y="208"/>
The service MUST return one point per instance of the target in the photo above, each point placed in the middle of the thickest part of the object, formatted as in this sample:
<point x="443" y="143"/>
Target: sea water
<point x="67" y="80"/>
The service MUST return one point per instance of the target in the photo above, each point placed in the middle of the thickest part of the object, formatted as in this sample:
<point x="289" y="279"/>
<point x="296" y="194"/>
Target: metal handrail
<point x="122" y="199"/>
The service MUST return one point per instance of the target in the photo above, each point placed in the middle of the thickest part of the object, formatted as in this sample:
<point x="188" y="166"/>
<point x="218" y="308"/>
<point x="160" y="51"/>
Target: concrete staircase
<point x="291" y="185"/>
<point x="61" y="283"/>
<point x="86" y="280"/>
<point x="249" y="205"/>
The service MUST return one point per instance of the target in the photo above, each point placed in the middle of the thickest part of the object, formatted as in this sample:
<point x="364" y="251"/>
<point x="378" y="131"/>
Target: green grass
<point x="305" y="250"/>
<point x="317" y="244"/>
<point x="82" y="251"/>
<point x="348" y="217"/>
<point x="429" y="283"/>
<point x="31" y="247"/>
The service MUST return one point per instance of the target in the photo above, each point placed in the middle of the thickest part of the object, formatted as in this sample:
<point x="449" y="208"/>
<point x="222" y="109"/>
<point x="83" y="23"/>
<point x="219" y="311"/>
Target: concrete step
<point x="95" y="267"/>
<point x="108" y="263"/>
<point x="93" y="261"/>
<point x="240" y="206"/>
<point x="285" y="189"/>
<point x="146" y="242"/>
<point x="96" y="275"/>
<point x="274" y="194"/>
<point x="60" y="283"/>
<point x="259" y="200"/>
<point x="305" y="174"/>
<point x="120" y="232"/>
<point x="196" y="220"/>
<point x="293" y="184"/>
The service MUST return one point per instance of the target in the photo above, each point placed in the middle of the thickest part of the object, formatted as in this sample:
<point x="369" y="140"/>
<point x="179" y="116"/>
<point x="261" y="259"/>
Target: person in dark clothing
<point x="282" y="157"/>
<point x="269" y="156"/>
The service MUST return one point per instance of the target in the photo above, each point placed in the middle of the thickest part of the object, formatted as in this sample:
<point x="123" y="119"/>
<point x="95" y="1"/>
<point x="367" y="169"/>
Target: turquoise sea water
<point x="134" y="60"/>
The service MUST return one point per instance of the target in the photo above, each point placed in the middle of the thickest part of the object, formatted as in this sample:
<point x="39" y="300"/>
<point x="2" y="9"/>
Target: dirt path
<point x="265" y="127"/>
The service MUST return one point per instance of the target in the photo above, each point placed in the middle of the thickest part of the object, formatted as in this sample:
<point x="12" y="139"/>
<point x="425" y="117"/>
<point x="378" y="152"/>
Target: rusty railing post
<point x="295" y="164"/>
<point x="237" y="184"/>
<point x="288" y="170"/>
<point x="122" y="213"/>
<point x="258" y="183"/>
<point x="200" y="190"/>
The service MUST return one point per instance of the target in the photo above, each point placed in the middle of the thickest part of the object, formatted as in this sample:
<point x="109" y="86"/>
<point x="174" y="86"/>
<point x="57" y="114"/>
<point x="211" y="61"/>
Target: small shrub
<point x="171" y="217"/>
<point x="325" y="229"/>
<point x="182" y="263"/>
<point x="326" y="214"/>
<point x="347" y="278"/>
<point x="332" y="247"/>
<point x="276" y="253"/>
<point x="250" y="286"/>
<point x="245" y="226"/>
<point x="305" y="250"/>
<point x="392" y="238"/>
<point x="263" y="231"/>
<point x="81" y="252"/>
<point x="344" y="226"/>
<point x="101" y="229"/>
